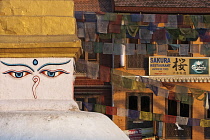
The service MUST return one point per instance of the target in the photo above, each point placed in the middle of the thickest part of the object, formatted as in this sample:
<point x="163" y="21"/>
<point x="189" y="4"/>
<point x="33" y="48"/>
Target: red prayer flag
<point x="171" y="95"/>
<point x="111" y="110"/>
<point x="169" y="119"/>
<point x="104" y="73"/>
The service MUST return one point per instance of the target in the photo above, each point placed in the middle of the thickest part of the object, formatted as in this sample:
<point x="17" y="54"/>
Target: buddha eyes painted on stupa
<point x="17" y="74"/>
<point x="52" y="73"/>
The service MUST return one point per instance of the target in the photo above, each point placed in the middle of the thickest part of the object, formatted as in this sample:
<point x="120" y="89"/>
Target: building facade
<point x="158" y="53"/>
<point x="90" y="85"/>
<point x="151" y="68"/>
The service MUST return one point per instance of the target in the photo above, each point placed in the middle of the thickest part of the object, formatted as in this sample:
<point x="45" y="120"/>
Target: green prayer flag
<point x="197" y="93"/>
<point x="98" y="47"/>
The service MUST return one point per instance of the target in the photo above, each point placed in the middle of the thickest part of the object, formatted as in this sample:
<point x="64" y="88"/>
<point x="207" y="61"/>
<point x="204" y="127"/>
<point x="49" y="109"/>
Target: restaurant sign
<point x="178" y="66"/>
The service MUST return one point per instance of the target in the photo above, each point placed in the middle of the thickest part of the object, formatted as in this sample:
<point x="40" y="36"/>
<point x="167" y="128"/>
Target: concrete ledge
<point x="60" y="125"/>
<point x="38" y="105"/>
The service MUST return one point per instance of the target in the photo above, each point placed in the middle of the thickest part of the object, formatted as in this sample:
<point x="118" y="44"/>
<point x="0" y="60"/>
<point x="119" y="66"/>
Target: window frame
<point x="136" y="41"/>
<point x="86" y="96"/>
<point x="139" y="95"/>
<point x="172" y="125"/>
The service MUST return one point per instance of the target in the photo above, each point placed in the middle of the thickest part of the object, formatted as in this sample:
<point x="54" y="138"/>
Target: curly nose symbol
<point x="36" y="80"/>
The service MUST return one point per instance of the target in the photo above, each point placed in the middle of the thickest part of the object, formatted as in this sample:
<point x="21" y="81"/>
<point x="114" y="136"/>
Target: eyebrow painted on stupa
<point x="47" y="64"/>
<point x="7" y="64"/>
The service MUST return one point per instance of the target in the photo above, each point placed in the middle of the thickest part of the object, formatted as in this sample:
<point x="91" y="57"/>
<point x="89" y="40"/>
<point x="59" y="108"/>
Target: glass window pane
<point x="133" y="103"/>
<point x="172" y="107"/>
<point x="92" y="100"/>
<point x="145" y="103"/>
<point x="184" y="110"/>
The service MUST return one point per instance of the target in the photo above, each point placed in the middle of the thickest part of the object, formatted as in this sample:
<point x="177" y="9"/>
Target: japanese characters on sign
<point x="178" y="66"/>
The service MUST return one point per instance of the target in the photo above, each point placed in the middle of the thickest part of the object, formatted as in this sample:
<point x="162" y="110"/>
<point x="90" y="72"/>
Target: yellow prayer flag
<point x="138" y="86"/>
<point x="205" y="123"/>
<point x="147" y="116"/>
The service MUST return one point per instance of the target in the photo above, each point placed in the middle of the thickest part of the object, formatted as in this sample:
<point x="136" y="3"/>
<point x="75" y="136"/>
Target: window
<point x="137" y="61"/>
<point x="91" y="56"/>
<point x="81" y="64"/>
<point x="94" y="99"/>
<point x="140" y="102"/>
<point x="176" y="108"/>
<point x="172" y="52"/>
<point x="86" y="55"/>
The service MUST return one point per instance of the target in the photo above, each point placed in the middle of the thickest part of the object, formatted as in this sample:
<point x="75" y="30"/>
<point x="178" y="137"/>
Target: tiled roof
<point x="164" y="3"/>
<point x="93" y="5"/>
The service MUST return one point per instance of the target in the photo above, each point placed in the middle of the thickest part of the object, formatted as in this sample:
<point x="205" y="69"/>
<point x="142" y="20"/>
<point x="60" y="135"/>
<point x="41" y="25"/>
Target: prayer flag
<point x="204" y="123"/>
<point x="197" y="93"/>
<point x="90" y="31"/>
<point x="118" y="49"/>
<point x="136" y="17"/>
<point x="111" y="110"/>
<point x="162" y="49"/>
<point x="133" y="114"/>
<point x="90" y="17"/>
<point x="92" y="70"/>
<point x="98" y="47"/>
<point x="104" y="73"/>
<point x="151" y="48"/>
<point x="169" y="119"/>
<point x="79" y="15"/>
<point x="89" y="106"/>
<point x="194" y="48"/>
<point x="154" y="89"/>
<point x="182" y="120"/>
<point x="130" y="49"/>
<point x="181" y="89"/>
<point x="141" y="48"/>
<point x="183" y="49"/>
<point x="145" y="34"/>
<point x="163" y="92"/>
<point x="127" y="83"/>
<point x="148" y="17"/>
<point x="81" y="66"/>
<point x="122" y="112"/>
<point x="80" y="29"/>
<point x="157" y="117"/>
<point x="102" y="25"/>
<point x="147" y="116"/>
<point x="100" y="108"/>
<point x="193" y="122"/>
<point x="172" y="21"/>
<point x="108" y="48"/>
<point x="88" y="47"/>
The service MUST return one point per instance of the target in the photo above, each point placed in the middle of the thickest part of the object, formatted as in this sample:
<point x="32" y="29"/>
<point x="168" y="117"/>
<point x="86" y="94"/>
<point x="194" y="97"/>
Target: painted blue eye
<point x="51" y="74"/>
<point x="18" y="74"/>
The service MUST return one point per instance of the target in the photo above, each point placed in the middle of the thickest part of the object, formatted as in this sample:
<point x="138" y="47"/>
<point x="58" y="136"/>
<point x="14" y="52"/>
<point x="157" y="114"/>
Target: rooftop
<point x="164" y="3"/>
